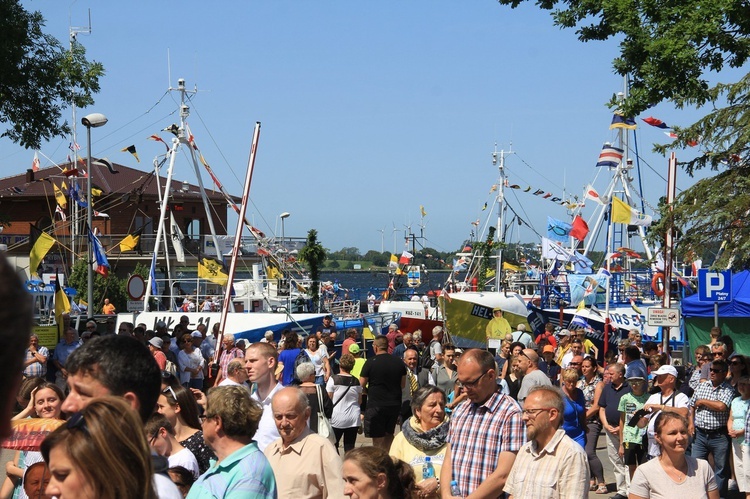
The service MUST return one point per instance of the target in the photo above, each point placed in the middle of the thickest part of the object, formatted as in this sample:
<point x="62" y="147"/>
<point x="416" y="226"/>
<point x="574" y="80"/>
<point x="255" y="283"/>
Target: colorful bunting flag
<point x="131" y="150"/>
<point x="100" y="263"/>
<point x="159" y="139"/>
<point x="655" y="122"/>
<point x="619" y="121"/>
<point x="610" y="156"/>
<point x="624" y="214"/>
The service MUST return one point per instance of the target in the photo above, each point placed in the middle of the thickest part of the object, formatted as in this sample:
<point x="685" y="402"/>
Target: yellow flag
<point x="41" y="243"/>
<point x="622" y="213"/>
<point x="60" y="197"/>
<point x="273" y="273"/>
<point x="421" y="210"/>
<point x="96" y="192"/>
<point x="210" y="269"/>
<point x="508" y="266"/>
<point x="129" y="243"/>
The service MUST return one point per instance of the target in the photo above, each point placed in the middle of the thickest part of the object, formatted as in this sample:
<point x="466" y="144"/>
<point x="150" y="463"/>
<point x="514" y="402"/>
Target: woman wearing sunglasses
<point x="86" y="455"/>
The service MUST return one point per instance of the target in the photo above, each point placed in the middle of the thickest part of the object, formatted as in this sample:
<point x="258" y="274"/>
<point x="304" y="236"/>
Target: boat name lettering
<point x="628" y="320"/>
<point x="413" y="313"/>
<point x="480" y="311"/>
<point x="170" y="321"/>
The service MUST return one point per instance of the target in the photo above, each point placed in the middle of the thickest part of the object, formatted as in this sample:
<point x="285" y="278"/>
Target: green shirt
<point x="629" y="404"/>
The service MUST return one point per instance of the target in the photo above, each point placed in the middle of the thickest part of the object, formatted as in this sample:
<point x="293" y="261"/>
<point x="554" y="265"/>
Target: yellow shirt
<point x="498" y="328"/>
<point x="403" y="450"/>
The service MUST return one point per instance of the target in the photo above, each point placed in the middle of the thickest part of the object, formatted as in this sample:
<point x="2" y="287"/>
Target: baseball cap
<point x="564" y="332"/>
<point x="156" y="342"/>
<point x="665" y="370"/>
<point x="636" y="378"/>
<point x="354" y="349"/>
<point x="548" y="349"/>
<point x="161" y="324"/>
<point x="196" y="334"/>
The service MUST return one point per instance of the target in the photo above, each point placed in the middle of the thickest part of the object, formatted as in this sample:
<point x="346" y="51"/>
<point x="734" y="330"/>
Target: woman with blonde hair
<point x="100" y="452"/>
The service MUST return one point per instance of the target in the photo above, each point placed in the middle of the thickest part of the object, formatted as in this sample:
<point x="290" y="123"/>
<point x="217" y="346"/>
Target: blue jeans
<point x="716" y="443"/>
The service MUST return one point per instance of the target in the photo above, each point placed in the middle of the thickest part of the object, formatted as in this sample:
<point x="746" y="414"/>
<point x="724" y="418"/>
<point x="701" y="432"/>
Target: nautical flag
<point x="213" y="270"/>
<point x="174" y="129"/>
<point x="35" y="162"/>
<point x="421" y="210"/>
<point x="514" y="186"/>
<point x="475" y="223"/>
<point x="467" y="249"/>
<point x="74" y="195"/>
<point x="527" y="189"/>
<point x="592" y="194"/>
<point x="672" y="135"/>
<point x="393" y="263"/>
<point x="59" y="196"/>
<point x="62" y="304"/>
<point x="100" y="263"/>
<point x="177" y="238"/>
<point x="493" y="188"/>
<point x="100" y="214"/>
<point x="60" y="212"/>
<point x="556" y="199"/>
<point x="159" y="139"/>
<point x="554" y="251"/>
<point x="619" y="121"/>
<point x="405" y="258"/>
<point x="131" y="150"/>
<point x="549" y="194"/>
<point x="538" y="192"/>
<point x="579" y="321"/>
<point x="132" y="242"/>
<point x="484" y="207"/>
<point x="580" y="228"/>
<point x="624" y="214"/>
<point x="604" y="273"/>
<point x="635" y="309"/>
<point x="610" y="156"/>
<point x="108" y="163"/>
<point x="73" y="146"/>
<point x="655" y="122"/>
<point x="459" y="265"/>
<point x="96" y="192"/>
<point x="40" y="243"/>
<point x="557" y="230"/>
<point x="696" y="266"/>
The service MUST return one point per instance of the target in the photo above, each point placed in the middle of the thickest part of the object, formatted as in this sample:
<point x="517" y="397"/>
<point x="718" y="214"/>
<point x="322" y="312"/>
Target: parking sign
<point x="714" y="286"/>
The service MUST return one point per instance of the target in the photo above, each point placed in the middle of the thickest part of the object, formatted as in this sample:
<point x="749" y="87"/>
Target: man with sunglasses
<point x="707" y="422"/>
<point x="486" y="432"/>
<point x="551" y="464"/>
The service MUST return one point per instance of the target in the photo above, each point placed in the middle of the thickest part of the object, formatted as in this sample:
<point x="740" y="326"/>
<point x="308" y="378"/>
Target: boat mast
<point x="500" y="210"/>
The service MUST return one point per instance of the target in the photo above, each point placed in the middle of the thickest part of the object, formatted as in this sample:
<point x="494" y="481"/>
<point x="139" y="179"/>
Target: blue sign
<point x="714" y="286"/>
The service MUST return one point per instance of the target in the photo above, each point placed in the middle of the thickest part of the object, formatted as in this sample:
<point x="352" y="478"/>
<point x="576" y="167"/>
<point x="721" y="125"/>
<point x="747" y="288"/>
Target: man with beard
<point x="550" y="464"/>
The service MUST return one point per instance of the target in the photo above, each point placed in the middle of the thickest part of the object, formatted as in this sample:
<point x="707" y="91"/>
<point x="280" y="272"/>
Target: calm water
<point x="359" y="283"/>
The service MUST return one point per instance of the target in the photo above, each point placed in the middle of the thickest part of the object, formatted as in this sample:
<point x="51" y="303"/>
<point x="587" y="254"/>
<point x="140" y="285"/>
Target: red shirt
<point x="549" y="337"/>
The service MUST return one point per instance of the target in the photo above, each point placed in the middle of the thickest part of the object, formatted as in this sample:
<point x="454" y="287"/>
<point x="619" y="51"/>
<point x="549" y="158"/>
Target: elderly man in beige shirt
<point x="306" y="465"/>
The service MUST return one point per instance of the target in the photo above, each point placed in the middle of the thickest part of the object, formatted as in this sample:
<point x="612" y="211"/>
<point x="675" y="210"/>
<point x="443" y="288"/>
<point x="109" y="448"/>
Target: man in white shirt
<point x="522" y="336"/>
<point x="260" y="364"/>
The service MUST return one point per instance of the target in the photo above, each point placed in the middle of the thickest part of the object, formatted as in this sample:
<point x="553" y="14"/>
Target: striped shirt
<point x="559" y="470"/>
<point x="705" y="418"/>
<point x="478" y="434"/>
<point x="36" y="369"/>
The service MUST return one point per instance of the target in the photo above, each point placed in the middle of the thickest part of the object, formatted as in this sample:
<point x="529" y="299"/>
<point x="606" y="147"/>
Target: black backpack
<point x="301" y="358"/>
<point x="427" y="361"/>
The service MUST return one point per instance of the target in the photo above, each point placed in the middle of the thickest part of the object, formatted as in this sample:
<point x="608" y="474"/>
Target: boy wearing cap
<point x="549" y="366"/>
<point x="633" y="440"/>
<point x="358" y="360"/>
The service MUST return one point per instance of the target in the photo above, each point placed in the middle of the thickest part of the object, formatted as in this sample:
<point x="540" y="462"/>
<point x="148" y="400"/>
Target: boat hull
<point x="414" y="315"/>
<point x="251" y="326"/>
<point x="468" y="313"/>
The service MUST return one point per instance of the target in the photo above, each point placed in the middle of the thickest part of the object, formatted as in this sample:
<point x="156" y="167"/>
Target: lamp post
<point x="93" y="120"/>
<point x="283" y="217"/>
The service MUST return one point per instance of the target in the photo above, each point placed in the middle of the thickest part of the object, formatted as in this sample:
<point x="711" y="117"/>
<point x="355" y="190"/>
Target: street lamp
<point x="283" y="217"/>
<point x="93" y="120"/>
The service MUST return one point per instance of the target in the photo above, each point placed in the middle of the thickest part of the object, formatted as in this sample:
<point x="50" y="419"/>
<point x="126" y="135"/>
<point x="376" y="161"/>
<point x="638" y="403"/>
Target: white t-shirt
<point x="346" y="411"/>
<point x="186" y="459"/>
<point x="267" y="431"/>
<point x="679" y="400"/>
<point x="523" y="337"/>
<point x="191" y="360"/>
<point x="650" y="480"/>
<point x="317" y="357"/>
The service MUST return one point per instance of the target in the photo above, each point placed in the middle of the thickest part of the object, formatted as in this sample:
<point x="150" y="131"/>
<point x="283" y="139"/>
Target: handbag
<point x="325" y="429"/>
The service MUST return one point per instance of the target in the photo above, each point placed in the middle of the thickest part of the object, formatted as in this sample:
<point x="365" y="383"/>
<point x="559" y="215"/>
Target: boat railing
<point x="344" y="308"/>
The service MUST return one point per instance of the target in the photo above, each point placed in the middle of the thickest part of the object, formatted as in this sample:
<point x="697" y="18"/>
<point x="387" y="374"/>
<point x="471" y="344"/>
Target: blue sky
<point x="368" y="109"/>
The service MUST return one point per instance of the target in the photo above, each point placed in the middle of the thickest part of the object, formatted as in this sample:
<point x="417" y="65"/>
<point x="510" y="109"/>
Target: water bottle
<point x="455" y="492"/>
<point x="428" y="471"/>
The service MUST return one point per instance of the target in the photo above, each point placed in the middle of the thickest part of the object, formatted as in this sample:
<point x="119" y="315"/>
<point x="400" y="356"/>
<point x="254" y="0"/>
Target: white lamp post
<point x="93" y="120"/>
<point x="283" y="217"/>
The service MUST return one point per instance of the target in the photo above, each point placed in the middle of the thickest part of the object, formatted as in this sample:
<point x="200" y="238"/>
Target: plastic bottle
<point x="454" y="489"/>
<point x="428" y="471"/>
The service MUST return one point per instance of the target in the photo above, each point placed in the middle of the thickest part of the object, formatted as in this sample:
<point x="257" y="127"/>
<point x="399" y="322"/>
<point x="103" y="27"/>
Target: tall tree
<point x="314" y="256"/>
<point x="39" y="77"/>
<point x="668" y="48"/>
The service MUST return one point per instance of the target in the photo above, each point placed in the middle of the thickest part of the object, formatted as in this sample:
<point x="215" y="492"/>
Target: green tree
<point x="313" y="255"/>
<point x="39" y="77"/>
<point x="111" y="287"/>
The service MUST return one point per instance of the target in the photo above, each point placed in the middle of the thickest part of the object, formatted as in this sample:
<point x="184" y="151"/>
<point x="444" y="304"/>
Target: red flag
<point x="655" y="122"/>
<point x="580" y="228"/>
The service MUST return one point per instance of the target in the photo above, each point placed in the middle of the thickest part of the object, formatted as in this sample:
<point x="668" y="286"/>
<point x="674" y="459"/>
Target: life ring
<point x="658" y="278"/>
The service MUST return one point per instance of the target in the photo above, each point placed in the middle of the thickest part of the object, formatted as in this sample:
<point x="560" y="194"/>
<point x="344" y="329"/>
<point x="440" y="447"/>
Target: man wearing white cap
<point x="668" y="400"/>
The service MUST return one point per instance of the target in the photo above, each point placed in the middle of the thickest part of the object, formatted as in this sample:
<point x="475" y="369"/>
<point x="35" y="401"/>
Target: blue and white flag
<point x="557" y="230"/>
<point x="100" y="263"/>
<point x="610" y="156"/>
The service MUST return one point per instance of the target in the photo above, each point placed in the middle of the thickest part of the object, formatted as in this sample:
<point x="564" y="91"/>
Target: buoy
<point x="657" y="284"/>
<point x="474" y="282"/>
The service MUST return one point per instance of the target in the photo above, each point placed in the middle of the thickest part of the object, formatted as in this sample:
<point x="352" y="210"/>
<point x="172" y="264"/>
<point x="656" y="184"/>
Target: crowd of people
<point x="145" y="414"/>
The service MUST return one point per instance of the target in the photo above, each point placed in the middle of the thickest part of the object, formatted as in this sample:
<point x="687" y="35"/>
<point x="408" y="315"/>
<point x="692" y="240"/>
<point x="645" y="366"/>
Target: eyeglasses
<point x="169" y="389"/>
<point x="472" y="384"/>
<point x="718" y="353"/>
<point x="533" y="413"/>
<point x="717" y="370"/>
<point x="574" y="363"/>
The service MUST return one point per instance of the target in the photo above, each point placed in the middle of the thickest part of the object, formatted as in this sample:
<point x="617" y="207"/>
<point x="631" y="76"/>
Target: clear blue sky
<point x="368" y="109"/>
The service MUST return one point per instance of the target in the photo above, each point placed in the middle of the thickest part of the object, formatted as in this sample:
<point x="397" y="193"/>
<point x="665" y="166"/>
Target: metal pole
<point x="89" y="218"/>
